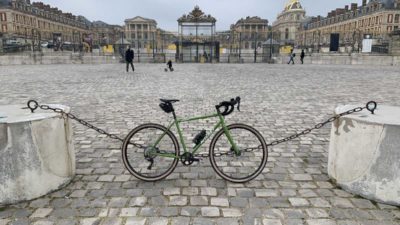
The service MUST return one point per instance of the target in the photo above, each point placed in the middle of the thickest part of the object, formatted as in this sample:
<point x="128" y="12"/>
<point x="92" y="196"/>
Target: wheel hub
<point x="150" y="153"/>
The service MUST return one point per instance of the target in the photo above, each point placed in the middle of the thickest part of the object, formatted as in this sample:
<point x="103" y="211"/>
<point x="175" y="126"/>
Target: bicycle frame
<point x="177" y="123"/>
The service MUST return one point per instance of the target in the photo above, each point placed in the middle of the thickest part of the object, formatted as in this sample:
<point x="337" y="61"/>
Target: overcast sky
<point x="166" y="12"/>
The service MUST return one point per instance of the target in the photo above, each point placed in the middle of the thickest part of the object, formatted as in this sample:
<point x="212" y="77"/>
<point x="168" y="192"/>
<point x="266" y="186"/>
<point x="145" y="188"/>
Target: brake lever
<point x="238" y="102"/>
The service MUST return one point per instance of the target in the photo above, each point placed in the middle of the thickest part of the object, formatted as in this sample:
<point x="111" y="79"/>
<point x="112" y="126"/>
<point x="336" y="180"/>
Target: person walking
<point x="169" y="64"/>
<point x="129" y="56"/>
<point x="302" y="55"/>
<point x="292" y="55"/>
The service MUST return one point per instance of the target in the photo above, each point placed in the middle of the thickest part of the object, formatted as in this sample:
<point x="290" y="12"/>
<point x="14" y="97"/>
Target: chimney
<point x="329" y="14"/>
<point x="319" y="18"/>
<point x="354" y="6"/>
<point x="346" y="8"/>
<point x="364" y="2"/>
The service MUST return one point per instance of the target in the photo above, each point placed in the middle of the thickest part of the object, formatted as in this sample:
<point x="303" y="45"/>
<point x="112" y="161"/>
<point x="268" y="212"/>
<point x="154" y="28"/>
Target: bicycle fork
<point x="234" y="147"/>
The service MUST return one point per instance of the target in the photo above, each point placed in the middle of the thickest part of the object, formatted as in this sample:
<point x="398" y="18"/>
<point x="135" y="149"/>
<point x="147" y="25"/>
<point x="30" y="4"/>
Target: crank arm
<point x="151" y="163"/>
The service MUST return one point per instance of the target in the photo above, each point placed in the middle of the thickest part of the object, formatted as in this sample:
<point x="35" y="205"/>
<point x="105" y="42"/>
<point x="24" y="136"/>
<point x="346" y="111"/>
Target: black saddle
<point x="169" y="100"/>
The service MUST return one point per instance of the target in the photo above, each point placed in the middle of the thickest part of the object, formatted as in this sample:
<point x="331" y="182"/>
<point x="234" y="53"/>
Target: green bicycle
<point x="238" y="152"/>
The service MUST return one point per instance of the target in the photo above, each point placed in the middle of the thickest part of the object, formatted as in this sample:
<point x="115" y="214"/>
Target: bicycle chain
<point x="370" y="106"/>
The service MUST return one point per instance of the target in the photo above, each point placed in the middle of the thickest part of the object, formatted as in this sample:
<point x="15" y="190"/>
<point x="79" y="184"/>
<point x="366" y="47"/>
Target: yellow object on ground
<point x="108" y="49"/>
<point x="285" y="49"/>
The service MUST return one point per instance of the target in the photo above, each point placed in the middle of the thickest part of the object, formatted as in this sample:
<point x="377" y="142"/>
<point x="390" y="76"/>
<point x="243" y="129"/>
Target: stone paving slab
<point x="278" y="100"/>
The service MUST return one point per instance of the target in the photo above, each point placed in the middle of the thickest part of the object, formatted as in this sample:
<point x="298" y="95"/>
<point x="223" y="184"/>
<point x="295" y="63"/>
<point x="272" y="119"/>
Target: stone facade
<point x="105" y="34"/>
<point x="19" y="19"/>
<point x="377" y="18"/>
<point x="249" y="32"/>
<point x="395" y="43"/>
<point x="288" y="23"/>
<point x="140" y="32"/>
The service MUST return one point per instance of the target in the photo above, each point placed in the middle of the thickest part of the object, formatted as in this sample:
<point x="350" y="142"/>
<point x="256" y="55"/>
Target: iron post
<point x="270" y="45"/>
<point x="255" y="47"/>
<point x="153" y="46"/>
<point x="240" y="44"/>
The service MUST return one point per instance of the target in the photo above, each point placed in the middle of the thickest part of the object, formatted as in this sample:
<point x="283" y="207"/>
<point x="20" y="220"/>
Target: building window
<point x="3" y="17"/>
<point x="4" y="28"/>
<point x="390" y="18"/>
<point x="286" y="33"/>
<point x="396" y="18"/>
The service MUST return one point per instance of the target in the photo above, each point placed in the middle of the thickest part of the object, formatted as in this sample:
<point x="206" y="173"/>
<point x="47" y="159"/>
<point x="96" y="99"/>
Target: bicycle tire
<point x="231" y="164"/>
<point x="136" y="168"/>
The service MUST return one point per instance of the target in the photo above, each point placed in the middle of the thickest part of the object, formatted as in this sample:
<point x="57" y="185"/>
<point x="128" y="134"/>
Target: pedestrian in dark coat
<point x="129" y="56"/>
<point x="302" y="55"/>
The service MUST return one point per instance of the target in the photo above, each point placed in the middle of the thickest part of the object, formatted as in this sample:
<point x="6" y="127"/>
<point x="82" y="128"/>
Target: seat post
<point x="173" y="112"/>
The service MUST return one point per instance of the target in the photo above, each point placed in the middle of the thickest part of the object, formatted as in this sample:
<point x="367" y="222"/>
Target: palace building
<point x="348" y="26"/>
<point x="249" y="33"/>
<point x="288" y="23"/>
<point x="141" y="32"/>
<point x="21" y="20"/>
<point x="105" y="34"/>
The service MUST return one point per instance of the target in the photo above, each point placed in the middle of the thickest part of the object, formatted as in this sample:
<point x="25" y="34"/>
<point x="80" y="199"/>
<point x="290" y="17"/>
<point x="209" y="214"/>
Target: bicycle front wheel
<point x="242" y="167"/>
<point x="145" y="158"/>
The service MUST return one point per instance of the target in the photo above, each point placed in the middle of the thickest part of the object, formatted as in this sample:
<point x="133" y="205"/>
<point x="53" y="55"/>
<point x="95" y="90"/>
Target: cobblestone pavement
<point x="278" y="100"/>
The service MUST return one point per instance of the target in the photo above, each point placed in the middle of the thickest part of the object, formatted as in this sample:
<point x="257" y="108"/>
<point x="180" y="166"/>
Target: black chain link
<point x="371" y="106"/>
<point x="317" y="126"/>
<point x="72" y="117"/>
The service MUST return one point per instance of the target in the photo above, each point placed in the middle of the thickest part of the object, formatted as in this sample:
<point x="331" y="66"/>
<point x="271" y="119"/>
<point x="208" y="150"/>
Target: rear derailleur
<point x="150" y="154"/>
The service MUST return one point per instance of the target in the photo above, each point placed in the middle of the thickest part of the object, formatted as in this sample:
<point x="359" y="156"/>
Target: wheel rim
<point x="139" y="150"/>
<point x="245" y="166"/>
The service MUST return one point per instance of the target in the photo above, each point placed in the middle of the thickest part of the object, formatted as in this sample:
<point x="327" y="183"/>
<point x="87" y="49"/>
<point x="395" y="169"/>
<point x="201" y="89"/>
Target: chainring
<point x="187" y="158"/>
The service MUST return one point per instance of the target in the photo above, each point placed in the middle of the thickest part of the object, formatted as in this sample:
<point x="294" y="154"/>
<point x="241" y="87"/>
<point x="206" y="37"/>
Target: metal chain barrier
<point x="371" y="106"/>
<point x="318" y="126"/>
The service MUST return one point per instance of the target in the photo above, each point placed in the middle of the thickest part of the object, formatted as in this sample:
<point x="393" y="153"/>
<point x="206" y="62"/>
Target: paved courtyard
<point x="278" y="100"/>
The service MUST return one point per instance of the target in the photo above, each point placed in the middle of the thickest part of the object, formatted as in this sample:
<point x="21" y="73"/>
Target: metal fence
<point x="243" y="48"/>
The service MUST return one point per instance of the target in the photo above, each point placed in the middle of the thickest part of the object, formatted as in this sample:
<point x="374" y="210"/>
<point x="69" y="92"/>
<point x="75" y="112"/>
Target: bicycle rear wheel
<point x="251" y="160"/>
<point x="146" y="161"/>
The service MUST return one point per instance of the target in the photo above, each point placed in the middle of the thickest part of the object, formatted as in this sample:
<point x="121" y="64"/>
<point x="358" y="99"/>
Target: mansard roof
<point x="254" y="19"/>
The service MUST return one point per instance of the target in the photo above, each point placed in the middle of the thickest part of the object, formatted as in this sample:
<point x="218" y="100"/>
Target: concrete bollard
<point x="364" y="153"/>
<point x="36" y="153"/>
